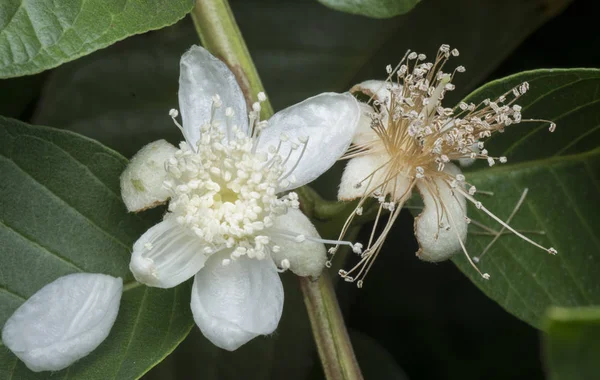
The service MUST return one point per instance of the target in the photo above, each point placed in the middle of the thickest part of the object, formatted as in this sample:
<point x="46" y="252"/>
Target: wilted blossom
<point x="407" y="139"/>
<point x="231" y="222"/>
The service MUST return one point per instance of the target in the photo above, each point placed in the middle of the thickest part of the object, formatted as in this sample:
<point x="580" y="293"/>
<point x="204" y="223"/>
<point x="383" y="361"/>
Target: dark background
<point x="412" y="319"/>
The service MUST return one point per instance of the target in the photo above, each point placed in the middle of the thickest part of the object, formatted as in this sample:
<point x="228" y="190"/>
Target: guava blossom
<point x="407" y="139"/>
<point x="228" y="223"/>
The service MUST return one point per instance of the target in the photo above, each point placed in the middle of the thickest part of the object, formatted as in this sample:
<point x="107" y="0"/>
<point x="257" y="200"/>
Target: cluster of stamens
<point x="419" y="137"/>
<point x="224" y="191"/>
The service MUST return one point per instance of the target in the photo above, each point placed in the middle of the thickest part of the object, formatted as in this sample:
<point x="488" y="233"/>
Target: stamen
<point x="284" y="265"/>
<point x="418" y="137"/>
<point x="512" y="214"/>
<point x="485" y="276"/>
<point x="293" y="236"/>
<point x="481" y="207"/>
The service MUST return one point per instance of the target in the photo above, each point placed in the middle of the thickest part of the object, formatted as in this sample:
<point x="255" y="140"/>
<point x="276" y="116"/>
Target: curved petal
<point x="234" y="303"/>
<point x="364" y="134"/>
<point x="438" y="229"/>
<point x="306" y="258"/>
<point x="377" y="89"/>
<point x="63" y="321"/>
<point x="166" y="255"/>
<point x="201" y="77"/>
<point x="142" y="180"/>
<point x="329" y="121"/>
<point x="364" y="174"/>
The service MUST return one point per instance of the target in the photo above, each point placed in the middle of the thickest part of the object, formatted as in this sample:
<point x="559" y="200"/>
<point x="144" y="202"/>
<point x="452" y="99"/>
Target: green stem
<point x="220" y="34"/>
<point x="329" y="330"/>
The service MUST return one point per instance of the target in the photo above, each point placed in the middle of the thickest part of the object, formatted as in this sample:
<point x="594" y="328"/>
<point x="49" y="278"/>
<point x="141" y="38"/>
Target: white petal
<point x="364" y="133"/>
<point x="166" y="255"/>
<point x="329" y="120"/>
<point x="370" y="171"/>
<point x="378" y="89"/>
<point x="307" y="258"/>
<point x="63" y="321"/>
<point x="142" y="180"/>
<point x="438" y="243"/>
<point x="234" y="303"/>
<point x="201" y="77"/>
<point x="466" y="162"/>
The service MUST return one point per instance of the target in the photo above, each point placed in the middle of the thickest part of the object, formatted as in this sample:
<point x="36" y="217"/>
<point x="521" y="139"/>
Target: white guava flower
<point x="63" y="321"/>
<point x="407" y="139"/>
<point x="230" y="222"/>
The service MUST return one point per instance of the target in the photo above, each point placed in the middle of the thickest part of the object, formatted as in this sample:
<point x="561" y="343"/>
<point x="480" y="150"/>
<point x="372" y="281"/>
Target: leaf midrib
<point x="535" y="163"/>
<point x="61" y="200"/>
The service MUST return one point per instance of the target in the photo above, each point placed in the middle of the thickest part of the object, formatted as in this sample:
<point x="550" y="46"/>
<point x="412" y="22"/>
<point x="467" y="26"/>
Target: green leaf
<point x="568" y="97"/>
<point x="572" y="343"/>
<point x="120" y="99"/>
<point x="39" y="35"/>
<point x="372" y="8"/>
<point x="61" y="212"/>
<point x="121" y="95"/>
<point x="561" y="171"/>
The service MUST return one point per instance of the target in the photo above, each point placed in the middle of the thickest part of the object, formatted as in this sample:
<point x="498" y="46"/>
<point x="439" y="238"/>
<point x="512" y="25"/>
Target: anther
<point x="216" y="99"/>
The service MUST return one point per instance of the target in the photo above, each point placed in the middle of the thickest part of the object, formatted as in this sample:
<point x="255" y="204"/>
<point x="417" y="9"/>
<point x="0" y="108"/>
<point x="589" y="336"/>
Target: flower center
<point x="225" y="193"/>
<point x="416" y="140"/>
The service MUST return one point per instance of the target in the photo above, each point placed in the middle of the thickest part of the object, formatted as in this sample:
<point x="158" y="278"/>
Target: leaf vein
<point x="118" y="241"/>
<point x="540" y="222"/>
<point x="81" y="164"/>
<point x="135" y="324"/>
<point x="575" y="208"/>
<point x="542" y="126"/>
<point x="577" y="139"/>
<point x="42" y="248"/>
<point x="12" y="293"/>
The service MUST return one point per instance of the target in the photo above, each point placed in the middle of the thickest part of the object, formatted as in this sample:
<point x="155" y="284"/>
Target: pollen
<point x="224" y="192"/>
